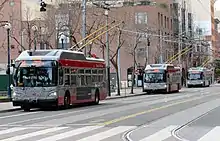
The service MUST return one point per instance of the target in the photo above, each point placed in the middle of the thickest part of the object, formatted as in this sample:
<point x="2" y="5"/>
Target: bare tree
<point x="136" y="43"/>
<point x="95" y="25"/>
<point x="64" y="18"/>
<point x="3" y="3"/>
<point x="115" y="35"/>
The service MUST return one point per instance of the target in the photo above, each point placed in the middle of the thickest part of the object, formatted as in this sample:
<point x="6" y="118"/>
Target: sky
<point x="217" y="5"/>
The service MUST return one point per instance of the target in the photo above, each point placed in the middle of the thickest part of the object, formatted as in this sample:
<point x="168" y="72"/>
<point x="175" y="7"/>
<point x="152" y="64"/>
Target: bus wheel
<point x="97" y="98"/>
<point x="67" y="100"/>
<point x="26" y="108"/>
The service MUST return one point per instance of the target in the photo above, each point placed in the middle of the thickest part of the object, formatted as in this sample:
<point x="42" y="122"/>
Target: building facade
<point x="148" y="27"/>
<point x="10" y="12"/>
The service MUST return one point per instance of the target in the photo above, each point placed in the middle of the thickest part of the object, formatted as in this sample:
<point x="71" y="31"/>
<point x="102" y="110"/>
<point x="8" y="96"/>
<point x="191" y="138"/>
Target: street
<point x="192" y="114"/>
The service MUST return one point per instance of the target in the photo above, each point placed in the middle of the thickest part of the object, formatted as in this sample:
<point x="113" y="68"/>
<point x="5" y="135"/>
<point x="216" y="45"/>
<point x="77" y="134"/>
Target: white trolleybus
<point x="57" y="78"/>
<point x="200" y="76"/>
<point x="162" y="77"/>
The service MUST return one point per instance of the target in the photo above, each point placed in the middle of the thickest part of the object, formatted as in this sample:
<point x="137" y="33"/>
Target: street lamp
<point x="62" y="40"/>
<point x="107" y="54"/>
<point x="8" y="28"/>
<point x="34" y="28"/>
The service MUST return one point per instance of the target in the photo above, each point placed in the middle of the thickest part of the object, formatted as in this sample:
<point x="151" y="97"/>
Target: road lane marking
<point x="147" y="111"/>
<point x="23" y="114"/>
<point x="44" y="117"/>
<point x="11" y="130"/>
<point x="212" y="135"/>
<point x="33" y="134"/>
<point x="103" y="112"/>
<point x="161" y="135"/>
<point x="71" y="133"/>
<point x="107" y="134"/>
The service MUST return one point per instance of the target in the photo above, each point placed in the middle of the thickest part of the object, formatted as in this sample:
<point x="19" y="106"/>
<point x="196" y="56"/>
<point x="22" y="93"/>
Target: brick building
<point x="151" y="20"/>
<point x="146" y="19"/>
<point x="10" y="11"/>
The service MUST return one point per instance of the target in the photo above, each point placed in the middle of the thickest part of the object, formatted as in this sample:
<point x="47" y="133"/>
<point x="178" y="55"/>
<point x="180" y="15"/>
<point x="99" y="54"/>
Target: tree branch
<point x="13" y="37"/>
<point x="2" y="4"/>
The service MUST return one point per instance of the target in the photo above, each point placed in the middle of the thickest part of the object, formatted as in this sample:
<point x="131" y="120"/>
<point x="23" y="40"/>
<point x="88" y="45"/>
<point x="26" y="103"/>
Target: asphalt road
<point x="188" y="115"/>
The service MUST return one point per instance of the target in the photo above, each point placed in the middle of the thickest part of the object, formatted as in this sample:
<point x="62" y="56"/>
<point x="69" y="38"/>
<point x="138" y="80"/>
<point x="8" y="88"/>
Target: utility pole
<point x="8" y="28"/>
<point x="179" y="49"/>
<point x="84" y="23"/>
<point x="161" y="48"/>
<point x="107" y="54"/>
<point x="148" y="46"/>
<point x="118" y="71"/>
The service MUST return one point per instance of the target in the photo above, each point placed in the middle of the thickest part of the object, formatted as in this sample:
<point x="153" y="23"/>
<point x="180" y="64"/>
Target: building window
<point x="161" y="18"/>
<point x="141" y="18"/>
<point x="165" y="21"/>
<point x="171" y="24"/>
<point x="141" y="52"/>
<point x="171" y="9"/>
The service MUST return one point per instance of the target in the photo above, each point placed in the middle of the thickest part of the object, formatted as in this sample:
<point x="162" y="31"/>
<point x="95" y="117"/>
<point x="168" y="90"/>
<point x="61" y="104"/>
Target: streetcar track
<point x="175" y="131"/>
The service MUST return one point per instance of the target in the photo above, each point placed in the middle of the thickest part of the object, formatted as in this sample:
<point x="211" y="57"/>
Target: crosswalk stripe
<point x="212" y="135"/>
<point x="11" y="130"/>
<point x="71" y="133"/>
<point x="160" y="135"/>
<point x="33" y="134"/>
<point x="107" y="134"/>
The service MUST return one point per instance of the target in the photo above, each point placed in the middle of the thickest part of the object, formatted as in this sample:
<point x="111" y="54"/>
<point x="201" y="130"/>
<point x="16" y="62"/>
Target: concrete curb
<point x="10" y="110"/>
<point x="108" y="98"/>
<point x="5" y="100"/>
<point x="129" y="95"/>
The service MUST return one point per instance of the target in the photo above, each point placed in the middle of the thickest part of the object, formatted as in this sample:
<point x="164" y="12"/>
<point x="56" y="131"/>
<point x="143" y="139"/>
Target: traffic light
<point x="43" y="5"/>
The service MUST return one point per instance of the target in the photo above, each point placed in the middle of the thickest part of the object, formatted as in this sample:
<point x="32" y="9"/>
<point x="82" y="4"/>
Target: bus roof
<point x="158" y="66"/>
<point x="54" y="54"/>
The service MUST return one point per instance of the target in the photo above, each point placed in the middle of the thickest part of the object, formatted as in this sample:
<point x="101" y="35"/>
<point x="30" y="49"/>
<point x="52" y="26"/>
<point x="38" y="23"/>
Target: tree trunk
<point x="132" y="86"/>
<point x="29" y="40"/>
<point x="115" y="64"/>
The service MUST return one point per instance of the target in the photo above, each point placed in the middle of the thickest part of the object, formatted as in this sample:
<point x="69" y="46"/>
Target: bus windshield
<point x="195" y="76"/>
<point x="154" y="77"/>
<point x="40" y="75"/>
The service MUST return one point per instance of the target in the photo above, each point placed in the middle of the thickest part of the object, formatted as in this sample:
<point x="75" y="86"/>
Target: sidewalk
<point x="7" y="106"/>
<point x="126" y="93"/>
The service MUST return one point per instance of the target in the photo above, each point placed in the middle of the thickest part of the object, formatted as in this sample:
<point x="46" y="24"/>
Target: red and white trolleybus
<point x="57" y="78"/>
<point x="162" y="77"/>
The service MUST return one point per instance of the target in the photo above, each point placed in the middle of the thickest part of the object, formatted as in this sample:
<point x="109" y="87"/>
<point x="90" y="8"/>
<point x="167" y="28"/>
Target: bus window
<point x="82" y="80"/>
<point x="73" y="80"/>
<point x="88" y="80"/>
<point x="94" y="71"/>
<point x="67" y="79"/>
<point x="60" y="76"/>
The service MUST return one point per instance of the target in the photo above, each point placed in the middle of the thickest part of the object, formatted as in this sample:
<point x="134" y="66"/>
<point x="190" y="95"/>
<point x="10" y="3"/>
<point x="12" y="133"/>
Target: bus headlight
<point x="53" y="94"/>
<point x="15" y="94"/>
<point x="165" y="86"/>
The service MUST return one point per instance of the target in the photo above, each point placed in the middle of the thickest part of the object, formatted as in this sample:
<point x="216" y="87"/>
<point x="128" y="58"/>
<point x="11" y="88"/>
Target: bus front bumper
<point x="155" y="87"/>
<point x="36" y="103"/>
